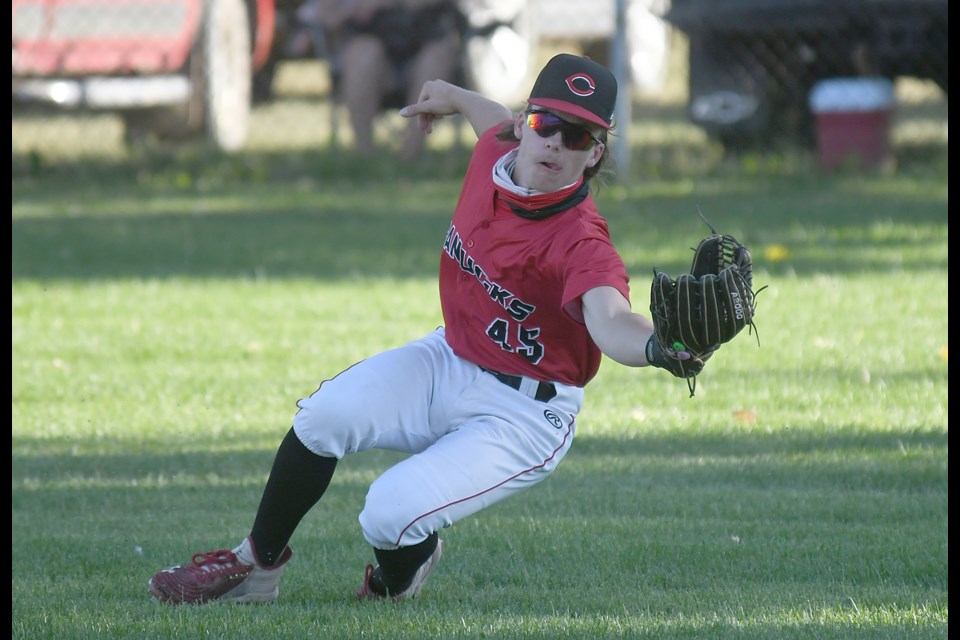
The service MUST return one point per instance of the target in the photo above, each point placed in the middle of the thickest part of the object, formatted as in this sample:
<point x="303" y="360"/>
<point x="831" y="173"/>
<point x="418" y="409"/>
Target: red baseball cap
<point x="576" y="85"/>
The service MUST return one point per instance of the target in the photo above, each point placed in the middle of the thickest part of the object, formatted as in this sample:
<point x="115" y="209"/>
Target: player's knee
<point x="388" y="520"/>
<point x="327" y="409"/>
<point x="325" y="425"/>
<point x="378" y="530"/>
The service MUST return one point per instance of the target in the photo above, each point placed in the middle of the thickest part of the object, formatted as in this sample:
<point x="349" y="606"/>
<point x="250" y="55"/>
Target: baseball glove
<point x="699" y="311"/>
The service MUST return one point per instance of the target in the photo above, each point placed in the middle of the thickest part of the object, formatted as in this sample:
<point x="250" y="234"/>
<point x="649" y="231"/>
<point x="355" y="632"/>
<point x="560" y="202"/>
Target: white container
<point x="852" y="94"/>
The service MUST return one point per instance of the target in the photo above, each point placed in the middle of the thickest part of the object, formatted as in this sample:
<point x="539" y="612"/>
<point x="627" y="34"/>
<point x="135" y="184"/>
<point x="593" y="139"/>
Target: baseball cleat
<point x="225" y="576"/>
<point x="373" y="587"/>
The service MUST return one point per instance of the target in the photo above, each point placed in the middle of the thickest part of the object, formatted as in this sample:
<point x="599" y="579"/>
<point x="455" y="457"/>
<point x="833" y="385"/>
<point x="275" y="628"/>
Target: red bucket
<point x="852" y="121"/>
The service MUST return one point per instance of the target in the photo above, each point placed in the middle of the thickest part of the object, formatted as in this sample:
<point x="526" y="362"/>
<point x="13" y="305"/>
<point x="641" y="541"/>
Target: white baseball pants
<point x="474" y="440"/>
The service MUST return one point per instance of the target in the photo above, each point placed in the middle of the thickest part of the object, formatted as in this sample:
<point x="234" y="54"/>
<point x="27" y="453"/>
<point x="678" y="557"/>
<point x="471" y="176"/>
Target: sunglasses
<point x="574" y="136"/>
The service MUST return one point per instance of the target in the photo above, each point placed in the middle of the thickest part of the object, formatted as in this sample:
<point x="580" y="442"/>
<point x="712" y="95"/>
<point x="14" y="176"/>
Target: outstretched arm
<point x="630" y="338"/>
<point x="439" y="98"/>
<point x="620" y="333"/>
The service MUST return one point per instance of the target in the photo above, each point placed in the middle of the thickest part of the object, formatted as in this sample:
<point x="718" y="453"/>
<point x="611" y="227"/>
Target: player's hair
<point x="506" y="134"/>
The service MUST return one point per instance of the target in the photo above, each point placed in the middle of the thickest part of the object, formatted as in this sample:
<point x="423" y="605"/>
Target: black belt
<point x="546" y="391"/>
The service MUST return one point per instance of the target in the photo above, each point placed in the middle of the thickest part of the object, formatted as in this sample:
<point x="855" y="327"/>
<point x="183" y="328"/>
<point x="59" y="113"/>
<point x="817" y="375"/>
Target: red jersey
<point x="510" y="286"/>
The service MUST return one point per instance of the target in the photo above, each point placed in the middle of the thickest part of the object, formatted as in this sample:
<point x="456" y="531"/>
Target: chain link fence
<point x="96" y="77"/>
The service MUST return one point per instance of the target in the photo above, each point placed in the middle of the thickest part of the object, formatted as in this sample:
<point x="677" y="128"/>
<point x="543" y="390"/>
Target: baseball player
<point x="532" y="293"/>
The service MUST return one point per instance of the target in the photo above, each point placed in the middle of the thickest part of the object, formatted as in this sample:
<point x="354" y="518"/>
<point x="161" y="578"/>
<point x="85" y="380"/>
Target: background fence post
<point x="621" y="69"/>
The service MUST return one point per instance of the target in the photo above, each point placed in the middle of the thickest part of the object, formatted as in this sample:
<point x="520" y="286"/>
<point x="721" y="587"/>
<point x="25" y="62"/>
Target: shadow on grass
<point x="328" y="219"/>
<point x="751" y="456"/>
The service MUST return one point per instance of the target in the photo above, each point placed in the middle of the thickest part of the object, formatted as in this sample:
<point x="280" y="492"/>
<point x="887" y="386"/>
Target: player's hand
<point x="437" y="99"/>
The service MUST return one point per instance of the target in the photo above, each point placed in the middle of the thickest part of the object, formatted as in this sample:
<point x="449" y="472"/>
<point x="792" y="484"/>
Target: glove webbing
<point x="715" y="254"/>
<point x="730" y="252"/>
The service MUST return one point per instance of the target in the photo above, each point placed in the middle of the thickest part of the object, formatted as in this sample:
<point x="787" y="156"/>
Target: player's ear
<point x="518" y="124"/>
<point x="596" y="152"/>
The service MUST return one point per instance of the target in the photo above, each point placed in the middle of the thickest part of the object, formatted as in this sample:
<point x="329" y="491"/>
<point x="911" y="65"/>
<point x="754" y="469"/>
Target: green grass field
<point x="167" y="313"/>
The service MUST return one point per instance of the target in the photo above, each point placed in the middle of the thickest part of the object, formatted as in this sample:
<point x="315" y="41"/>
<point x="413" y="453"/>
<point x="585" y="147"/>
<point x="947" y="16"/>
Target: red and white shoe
<point x="226" y="576"/>
<point x="373" y="587"/>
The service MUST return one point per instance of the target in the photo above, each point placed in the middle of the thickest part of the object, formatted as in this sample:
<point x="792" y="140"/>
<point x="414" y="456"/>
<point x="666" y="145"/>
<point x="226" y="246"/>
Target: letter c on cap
<point x="581" y="84"/>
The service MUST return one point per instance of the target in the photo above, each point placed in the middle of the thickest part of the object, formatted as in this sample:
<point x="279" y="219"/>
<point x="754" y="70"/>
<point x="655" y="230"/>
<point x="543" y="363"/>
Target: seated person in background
<point x="379" y="47"/>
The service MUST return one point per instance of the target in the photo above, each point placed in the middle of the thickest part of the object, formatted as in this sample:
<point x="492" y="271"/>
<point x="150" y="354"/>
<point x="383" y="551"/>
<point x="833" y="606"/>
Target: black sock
<point x="297" y="481"/>
<point x="398" y="566"/>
